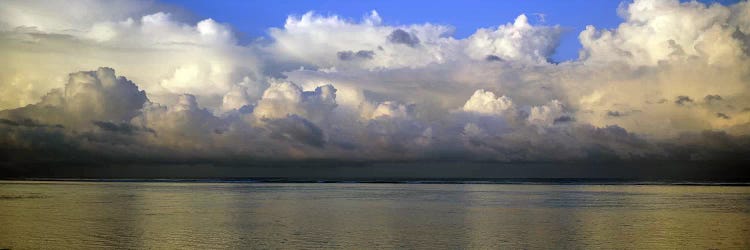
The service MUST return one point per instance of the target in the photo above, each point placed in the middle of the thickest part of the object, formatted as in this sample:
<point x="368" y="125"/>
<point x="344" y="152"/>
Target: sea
<point x="414" y="214"/>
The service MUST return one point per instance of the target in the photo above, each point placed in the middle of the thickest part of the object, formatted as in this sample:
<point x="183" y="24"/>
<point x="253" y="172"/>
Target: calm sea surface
<point x="75" y="215"/>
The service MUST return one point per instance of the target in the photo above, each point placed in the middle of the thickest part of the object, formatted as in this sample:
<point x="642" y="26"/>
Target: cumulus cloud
<point x="349" y="55"/>
<point x="666" y="52"/>
<point x="296" y="129"/>
<point x="485" y="102"/>
<point x="400" y="36"/>
<point x="662" y="30"/>
<point x="166" y="54"/>
<point x="671" y="78"/>
<point x="391" y="109"/>
<point x="87" y="96"/>
<point x="517" y="41"/>
<point x="282" y="99"/>
<point x="332" y="41"/>
<point x="712" y="98"/>
<point x="549" y="114"/>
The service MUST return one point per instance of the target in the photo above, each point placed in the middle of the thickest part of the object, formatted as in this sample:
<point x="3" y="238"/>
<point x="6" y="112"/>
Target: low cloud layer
<point x="669" y="83"/>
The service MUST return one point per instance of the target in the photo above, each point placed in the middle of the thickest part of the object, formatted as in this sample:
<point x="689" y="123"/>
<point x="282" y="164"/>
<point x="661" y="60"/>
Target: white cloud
<point x="516" y="41"/>
<point x="329" y="87"/>
<point x="167" y="56"/>
<point x="76" y="16"/>
<point x="321" y="40"/>
<point x="87" y="96"/>
<point x="547" y="115"/>
<point x="656" y="30"/>
<point x="236" y="98"/>
<point x="485" y="102"/>
<point x="282" y="99"/>
<point x="389" y="109"/>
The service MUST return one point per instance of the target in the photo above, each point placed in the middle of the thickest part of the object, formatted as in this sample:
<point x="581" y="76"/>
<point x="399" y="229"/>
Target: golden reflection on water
<point x="225" y="215"/>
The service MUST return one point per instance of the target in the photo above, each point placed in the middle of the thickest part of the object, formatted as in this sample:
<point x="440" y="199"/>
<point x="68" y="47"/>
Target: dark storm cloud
<point x="88" y="95"/>
<point x="712" y="98"/>
<point x="400" y="36"/>
<point x="27" y="123"/>
<point x="614" y="113"/>
<point x="683" y="100"/>
<point x="297" y="129"/>
<point x="744" y="40"/>
<point x="122" y="127"/>
<point x="563" y="119"/>
<point x="348" y="55"/>
<point x="708" y="145"/>
<point x="367" y="54"/>
<point x="493" y="58"/>
<point x="621" y="113"/>
<point x="345" y="55"/>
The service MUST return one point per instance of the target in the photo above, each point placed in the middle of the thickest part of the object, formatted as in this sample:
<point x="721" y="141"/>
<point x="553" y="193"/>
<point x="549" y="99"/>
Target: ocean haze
<point x="368" y="171"/>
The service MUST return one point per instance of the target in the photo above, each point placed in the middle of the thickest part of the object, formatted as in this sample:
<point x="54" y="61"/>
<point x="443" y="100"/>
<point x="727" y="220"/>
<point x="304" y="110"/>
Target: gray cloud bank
<point x="331" y="92"/>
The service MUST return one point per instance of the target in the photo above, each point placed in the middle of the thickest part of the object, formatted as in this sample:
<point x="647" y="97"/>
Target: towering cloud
<point x="670" y="55"/>
<point x="670" y="82"/>
<point x="165" y="55"/>
<point x="87" y="96"/>
<point x="516" y="41"/>
<point x="485" y="102"/>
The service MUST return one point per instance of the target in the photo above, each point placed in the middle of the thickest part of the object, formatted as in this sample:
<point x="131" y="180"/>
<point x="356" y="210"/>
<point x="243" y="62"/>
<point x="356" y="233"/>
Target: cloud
<point x="548" y="114"/>
<point x="708" y="145"/>
<point x="493" y="58"/>
<point x="683" y="100"/>
<point x="88" y="95"/>
<point x="282" y="99"/>
<point x="69" y="17"/>
<point x="185" y="124"/>
<point x="27" y="123"/>
<point x="712" y="98"/>
<point x="485" y="102"/>
<point x="656" y="56"/>
<point x="391" y="109"/>
<point x="297" y="130"/>
<point x="166" y="54"/>
<point x="516" y="41"/>
<point x="615" y="113"/>
<point x="349" y="55"/>
<point x="399" y="36"/>
<point x="237" y="98"/>
<point x="324" y="41"/>
<point x="657" y="30"/>
<point x="327" y="87"/>
<point x="125" y="128"/>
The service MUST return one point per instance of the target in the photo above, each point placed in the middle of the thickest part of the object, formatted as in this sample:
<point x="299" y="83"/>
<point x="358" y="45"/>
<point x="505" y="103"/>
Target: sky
<point x="320" y="83"/>
<point x="252" y="18"/>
